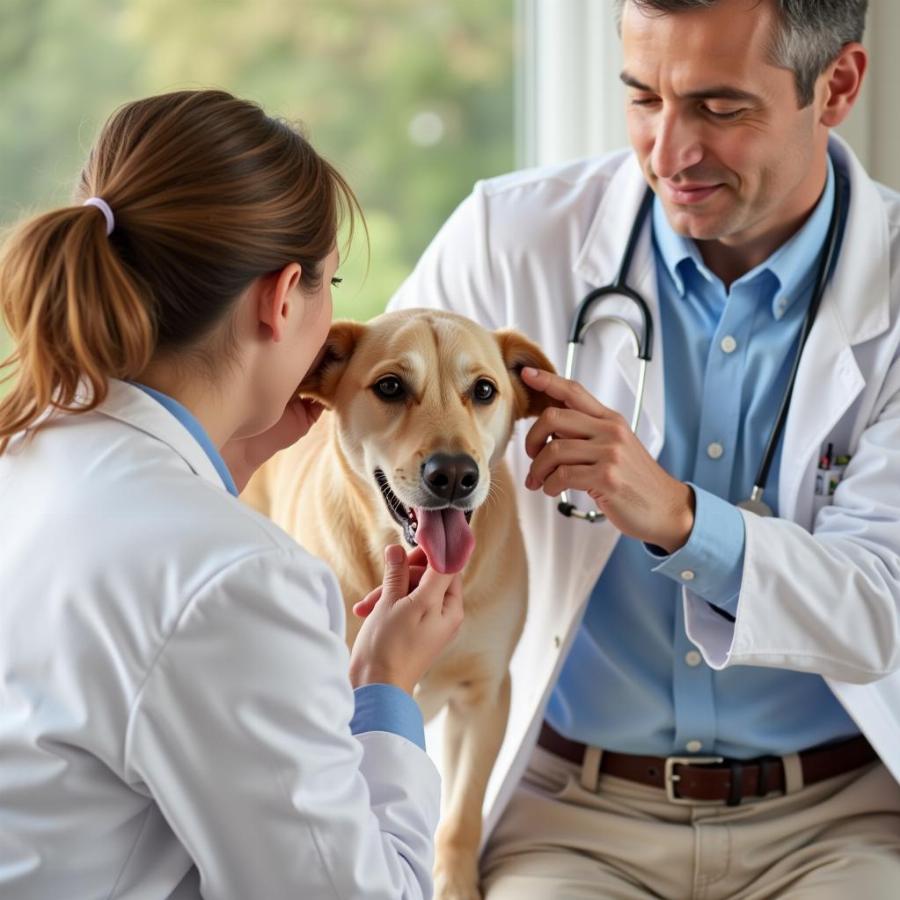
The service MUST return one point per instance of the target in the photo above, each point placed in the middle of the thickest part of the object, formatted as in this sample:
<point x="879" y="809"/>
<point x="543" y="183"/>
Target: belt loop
<point x="736" y="787"/>
<point x="590" y="768"/>
<point x="793" y="773"/>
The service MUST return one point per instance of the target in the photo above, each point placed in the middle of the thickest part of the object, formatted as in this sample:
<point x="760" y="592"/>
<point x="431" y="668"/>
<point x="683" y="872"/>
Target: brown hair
<point x="208" y="193"/>
<point x="809" y="38"/>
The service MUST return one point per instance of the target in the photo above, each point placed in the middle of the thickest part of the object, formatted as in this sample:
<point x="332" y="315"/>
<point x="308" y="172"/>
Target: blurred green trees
<point x="411" y="99"/>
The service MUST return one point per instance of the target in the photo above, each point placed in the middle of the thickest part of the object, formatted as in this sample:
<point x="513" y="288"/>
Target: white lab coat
<point x="521" y="252"/>
<point x="174" y="699"/>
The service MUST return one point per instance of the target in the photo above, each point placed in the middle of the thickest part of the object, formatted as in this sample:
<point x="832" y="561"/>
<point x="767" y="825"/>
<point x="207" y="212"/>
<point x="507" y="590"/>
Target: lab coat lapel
<point x="855" y="308"/>
<point x="597" y="264"/>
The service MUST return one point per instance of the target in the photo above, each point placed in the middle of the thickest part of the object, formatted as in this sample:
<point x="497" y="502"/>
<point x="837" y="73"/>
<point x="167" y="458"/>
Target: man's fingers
<point x="563" y="423"/>
<point x="587" y="478"/>
<point x="573" y="394"/>
<point x="560" y="453"/>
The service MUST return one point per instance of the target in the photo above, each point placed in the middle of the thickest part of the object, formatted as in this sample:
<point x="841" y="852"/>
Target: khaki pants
<point x="836" y="840"/>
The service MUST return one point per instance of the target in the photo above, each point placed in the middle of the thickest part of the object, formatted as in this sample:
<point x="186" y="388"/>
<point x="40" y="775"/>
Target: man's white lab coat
<point x="817" y="595"/>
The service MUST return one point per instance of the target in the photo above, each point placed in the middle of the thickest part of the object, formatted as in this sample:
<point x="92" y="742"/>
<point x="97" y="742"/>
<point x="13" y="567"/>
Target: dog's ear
<point x="518" y="351"/>
<point x="321" y="381"/>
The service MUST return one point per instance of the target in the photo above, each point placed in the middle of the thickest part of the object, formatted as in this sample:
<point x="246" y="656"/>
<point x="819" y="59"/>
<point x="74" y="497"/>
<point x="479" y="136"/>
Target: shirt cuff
<point x="385" y="707"/>
<point x="711" y="563"/>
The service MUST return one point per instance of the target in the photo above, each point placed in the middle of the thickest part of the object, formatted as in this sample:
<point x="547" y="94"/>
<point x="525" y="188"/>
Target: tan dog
<point x="422" y="408"/>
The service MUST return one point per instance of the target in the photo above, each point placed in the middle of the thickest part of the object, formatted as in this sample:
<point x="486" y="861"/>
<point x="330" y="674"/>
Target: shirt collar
<point x="190" y="422"/>
<point x="793" y="264"/>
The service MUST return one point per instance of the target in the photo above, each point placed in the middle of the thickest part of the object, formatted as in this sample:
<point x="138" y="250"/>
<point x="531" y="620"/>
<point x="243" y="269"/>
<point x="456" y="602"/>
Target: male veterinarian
<point x="706" y="700"/>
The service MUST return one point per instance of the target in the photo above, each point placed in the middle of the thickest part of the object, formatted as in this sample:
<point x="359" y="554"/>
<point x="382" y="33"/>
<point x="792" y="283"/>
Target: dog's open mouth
<point x="444" y="534"/>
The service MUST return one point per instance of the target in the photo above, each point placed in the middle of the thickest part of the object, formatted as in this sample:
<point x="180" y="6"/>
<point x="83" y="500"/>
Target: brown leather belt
<point x="714" y="779"/>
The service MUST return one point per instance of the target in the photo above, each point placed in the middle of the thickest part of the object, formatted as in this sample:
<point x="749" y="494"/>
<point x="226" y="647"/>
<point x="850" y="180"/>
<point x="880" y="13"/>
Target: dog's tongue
<point x="446" y="538"/>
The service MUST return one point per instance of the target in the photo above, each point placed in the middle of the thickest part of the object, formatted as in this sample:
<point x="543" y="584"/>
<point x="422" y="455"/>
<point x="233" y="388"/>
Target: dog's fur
<point x="324" y="492"/>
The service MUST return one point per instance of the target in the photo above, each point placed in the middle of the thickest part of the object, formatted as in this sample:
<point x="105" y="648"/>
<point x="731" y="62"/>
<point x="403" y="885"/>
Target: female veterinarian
<point x="176" y="716"/>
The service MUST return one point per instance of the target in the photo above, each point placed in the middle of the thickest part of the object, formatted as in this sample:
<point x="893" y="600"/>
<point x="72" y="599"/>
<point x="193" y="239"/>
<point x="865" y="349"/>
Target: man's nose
<point x="676" y="145"/>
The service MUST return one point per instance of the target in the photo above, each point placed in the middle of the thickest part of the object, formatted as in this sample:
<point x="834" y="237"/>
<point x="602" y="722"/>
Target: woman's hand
<point x="594" y="450"/>
<point x="405" y="629"/>
<point x="245" y="455"/>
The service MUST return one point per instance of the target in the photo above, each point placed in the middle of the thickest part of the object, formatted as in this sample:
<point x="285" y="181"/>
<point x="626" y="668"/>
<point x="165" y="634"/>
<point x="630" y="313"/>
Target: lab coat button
<point x="556" y="641"/>
<point x="693" y="658"/>
<point x="693" y="746"/>
<point x="714" y="450"/>
<point x="687" y="575"/>
<point x="728" y="344"/>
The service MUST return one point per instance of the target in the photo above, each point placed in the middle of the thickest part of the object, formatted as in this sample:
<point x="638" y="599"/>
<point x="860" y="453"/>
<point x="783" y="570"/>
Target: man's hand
<point x="244" y="456"/>
<point x="594" y="450"/>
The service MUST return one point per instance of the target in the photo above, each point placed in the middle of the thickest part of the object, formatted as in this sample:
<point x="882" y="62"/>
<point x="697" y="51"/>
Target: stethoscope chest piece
<point x="756" y="506"/>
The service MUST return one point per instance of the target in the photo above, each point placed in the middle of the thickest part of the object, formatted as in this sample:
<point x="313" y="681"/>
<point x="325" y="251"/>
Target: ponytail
<point x="208" y="193"/>
<point x="74" y="312"/>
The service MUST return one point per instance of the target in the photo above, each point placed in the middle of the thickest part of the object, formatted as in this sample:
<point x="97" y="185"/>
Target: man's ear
<point x="518" y="351"/>
<point x="322" y="379"/>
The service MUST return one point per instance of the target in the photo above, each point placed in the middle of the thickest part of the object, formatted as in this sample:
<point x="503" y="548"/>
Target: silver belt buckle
<point x="671" y="777"/>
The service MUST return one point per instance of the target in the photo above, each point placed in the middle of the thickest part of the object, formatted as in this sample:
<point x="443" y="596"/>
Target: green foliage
<point x="411" y="99"/>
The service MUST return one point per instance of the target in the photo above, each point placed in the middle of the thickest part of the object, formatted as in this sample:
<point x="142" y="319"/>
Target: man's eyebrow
<point x="715" y="91"/>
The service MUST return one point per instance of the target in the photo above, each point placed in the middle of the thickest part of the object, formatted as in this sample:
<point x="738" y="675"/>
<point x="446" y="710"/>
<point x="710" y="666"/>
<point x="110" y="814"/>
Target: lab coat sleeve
<point x="454" y="273"/>
<point x="826" y="602"/>
<point x="241" y="735"/>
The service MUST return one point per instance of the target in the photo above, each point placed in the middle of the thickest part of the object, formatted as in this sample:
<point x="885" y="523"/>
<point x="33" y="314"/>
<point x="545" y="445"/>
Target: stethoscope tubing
<point x="644" y="342"/>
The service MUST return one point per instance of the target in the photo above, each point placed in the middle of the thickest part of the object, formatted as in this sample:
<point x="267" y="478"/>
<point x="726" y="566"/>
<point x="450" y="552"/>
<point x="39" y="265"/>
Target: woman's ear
<point x="321" y="381"/>
<point x="518" y="351"/>
<point x="274" y="299"/>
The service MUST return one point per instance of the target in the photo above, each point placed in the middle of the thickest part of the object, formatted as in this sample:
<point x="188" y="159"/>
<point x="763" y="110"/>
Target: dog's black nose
<point x="450" y="476"/>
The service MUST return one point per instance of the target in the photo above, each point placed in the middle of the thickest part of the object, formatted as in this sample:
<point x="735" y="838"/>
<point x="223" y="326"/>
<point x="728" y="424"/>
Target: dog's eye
<point x="483" y="391"/>
<point x="389" y="388"/>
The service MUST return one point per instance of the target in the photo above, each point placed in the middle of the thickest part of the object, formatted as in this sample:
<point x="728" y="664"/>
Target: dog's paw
<point x="451" y="883"/>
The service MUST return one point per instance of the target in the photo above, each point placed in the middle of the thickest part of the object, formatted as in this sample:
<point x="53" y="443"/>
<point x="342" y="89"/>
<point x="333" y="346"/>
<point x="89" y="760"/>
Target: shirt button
<point x="714" y="450"/>
<point x="728" y="344"/>
<point x="693" y="746"/>
<point x="693" y="658"/>
<point x="687" y="575"/>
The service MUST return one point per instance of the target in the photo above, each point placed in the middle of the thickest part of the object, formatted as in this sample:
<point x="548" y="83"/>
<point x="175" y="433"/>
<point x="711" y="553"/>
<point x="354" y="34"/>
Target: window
<point x="412" y="100"/>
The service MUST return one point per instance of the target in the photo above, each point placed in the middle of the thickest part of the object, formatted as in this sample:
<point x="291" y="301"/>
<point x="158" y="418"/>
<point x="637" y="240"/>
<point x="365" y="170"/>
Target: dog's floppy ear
<point x="518" y="351"/>
<point x="321" y="381"/>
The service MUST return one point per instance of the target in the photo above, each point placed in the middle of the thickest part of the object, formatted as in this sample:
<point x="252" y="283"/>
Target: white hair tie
<point x="103" y="206"/>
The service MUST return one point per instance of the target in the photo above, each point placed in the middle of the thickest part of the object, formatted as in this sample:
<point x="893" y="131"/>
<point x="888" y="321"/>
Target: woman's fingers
<point x="364" y="607"/>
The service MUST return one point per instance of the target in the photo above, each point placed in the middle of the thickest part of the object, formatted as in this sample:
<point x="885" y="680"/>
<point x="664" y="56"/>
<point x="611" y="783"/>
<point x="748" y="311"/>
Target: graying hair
<point x="810" y="38"/>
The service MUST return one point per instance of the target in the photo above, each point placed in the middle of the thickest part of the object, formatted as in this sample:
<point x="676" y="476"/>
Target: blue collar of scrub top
<point x="793" y="264"/>
<point x="189" y="420"/>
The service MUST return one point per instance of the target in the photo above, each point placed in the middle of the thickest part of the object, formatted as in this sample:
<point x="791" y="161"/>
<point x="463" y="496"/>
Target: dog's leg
<point x="476" y="722"/>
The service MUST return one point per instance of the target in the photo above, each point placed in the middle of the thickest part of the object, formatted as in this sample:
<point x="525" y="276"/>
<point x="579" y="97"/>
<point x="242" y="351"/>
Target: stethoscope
<point x="643" y="344"/>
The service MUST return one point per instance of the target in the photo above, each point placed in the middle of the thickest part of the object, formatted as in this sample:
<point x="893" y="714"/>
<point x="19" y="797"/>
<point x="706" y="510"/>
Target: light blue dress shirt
<point x="632" y="681"/>
<point x="377" y="707"/>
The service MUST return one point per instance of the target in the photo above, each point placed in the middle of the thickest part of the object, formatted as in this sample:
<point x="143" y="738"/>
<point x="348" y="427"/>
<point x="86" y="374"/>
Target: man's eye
<point x="336" y="281"/>
<point x="724" y="114"/>
<point x="483" y="391"/>
<point x="389" y="388"/>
